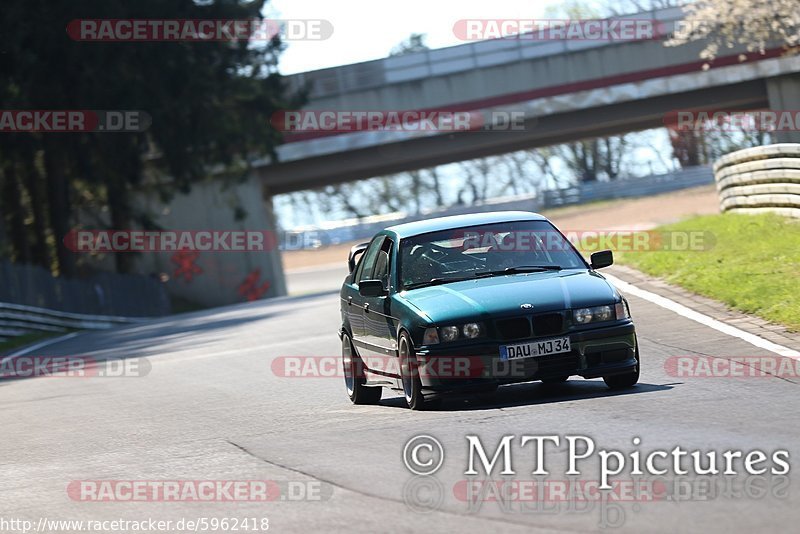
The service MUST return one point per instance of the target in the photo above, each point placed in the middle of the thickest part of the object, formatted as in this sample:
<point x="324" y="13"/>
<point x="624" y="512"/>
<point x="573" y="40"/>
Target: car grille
<point x="548" y="324"/>
<point x="516" y="328"/>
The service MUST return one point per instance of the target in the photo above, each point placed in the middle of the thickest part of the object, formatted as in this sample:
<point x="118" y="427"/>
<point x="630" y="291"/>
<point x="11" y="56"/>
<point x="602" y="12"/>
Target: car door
<point x="355" y="302"/>
<point x="379" y="325"/>
<point x="351" y="315"/>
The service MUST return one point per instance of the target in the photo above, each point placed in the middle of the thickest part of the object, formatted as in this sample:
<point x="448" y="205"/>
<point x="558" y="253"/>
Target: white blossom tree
<point x="726" y="23"/>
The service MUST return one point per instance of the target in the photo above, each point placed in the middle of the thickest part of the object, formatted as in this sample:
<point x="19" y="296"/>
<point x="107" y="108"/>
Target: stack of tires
<point x="759" y="179"/>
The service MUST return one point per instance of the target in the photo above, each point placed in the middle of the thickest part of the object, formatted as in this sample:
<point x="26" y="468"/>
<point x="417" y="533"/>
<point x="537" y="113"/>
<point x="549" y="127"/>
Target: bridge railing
<point x="459" y="58"/>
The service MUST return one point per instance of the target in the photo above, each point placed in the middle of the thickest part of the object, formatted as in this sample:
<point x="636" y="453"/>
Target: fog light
<point x="448" y="333"/>
<point x="471" y="330"/>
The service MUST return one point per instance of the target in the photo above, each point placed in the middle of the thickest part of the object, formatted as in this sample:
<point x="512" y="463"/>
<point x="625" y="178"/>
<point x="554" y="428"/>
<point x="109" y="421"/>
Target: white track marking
<point x="39" y="345"/>
<point x="683" y="311"/>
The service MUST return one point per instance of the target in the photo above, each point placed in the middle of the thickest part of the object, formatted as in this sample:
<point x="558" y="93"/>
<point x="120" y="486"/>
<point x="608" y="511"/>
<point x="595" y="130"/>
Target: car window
<point x="383" y="262"/>
<point x="368" y="261"/>
<point x="467" y="252"/>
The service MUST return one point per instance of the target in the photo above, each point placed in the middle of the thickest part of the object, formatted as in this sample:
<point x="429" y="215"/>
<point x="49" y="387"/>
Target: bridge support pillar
<point x="278" y="277"/>
<point x="784" y="95"/>
<point x="216" y="276"/>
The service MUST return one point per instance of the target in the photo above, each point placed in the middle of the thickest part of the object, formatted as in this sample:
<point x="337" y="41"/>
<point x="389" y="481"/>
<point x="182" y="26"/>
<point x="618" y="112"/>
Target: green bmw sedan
<point x="463" y="304"/>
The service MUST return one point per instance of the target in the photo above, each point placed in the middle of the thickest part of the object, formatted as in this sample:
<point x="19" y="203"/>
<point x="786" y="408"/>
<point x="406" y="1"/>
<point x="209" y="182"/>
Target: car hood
<point x="503" y="295"/>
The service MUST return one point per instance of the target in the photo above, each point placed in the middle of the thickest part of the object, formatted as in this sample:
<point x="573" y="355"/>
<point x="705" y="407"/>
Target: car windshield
<point x="483" y="251"/>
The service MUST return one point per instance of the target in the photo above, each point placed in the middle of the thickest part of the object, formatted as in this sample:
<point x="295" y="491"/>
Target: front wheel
<point x="354" y="376"/>
<point x="626" y="380"/>
<point x="409" y="374"/>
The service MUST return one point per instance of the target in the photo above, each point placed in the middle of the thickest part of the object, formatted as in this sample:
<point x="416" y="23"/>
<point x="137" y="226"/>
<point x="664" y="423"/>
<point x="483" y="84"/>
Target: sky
<point x="369" y="29"/>
<point x="364" y="30"/>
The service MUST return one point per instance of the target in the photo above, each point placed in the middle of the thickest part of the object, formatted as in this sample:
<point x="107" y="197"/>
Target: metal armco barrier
<point x="18" y="320"/>
<point x="760" y="179"/>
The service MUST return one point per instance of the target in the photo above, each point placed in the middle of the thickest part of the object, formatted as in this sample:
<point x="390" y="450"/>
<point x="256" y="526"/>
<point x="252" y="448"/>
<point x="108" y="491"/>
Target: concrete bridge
<point x="567" y="89"/>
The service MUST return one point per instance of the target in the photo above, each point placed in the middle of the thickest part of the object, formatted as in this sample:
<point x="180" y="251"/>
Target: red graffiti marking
<point x="250" y="290"/>
<point x="184" y="259"/>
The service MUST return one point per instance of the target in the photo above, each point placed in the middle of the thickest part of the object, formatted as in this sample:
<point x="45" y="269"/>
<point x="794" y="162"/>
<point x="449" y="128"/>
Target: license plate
<point x="533" y="349"/>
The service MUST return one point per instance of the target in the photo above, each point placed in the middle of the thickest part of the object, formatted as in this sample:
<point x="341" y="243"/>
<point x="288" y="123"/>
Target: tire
<point x="555" y="380"/>
<point x="628" y="379"/>
<point x="354" y="379"/>
<point x="409" y="375"/>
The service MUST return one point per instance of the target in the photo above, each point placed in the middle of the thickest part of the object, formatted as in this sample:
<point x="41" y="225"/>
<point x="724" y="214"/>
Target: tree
<point x="210" y="104"/>
<point x="754" y="23"/>
<point x="414" y="43"/>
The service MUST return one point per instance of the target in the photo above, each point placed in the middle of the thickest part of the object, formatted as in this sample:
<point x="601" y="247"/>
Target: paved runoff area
<point x="205" y="424"/>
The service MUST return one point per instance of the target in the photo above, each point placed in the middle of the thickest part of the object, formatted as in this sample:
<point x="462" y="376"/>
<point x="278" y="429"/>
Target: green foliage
<point x="753" y="265"/>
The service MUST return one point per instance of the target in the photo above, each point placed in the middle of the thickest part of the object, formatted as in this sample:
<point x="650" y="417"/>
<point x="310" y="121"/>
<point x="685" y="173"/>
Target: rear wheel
<point x="354" y="376"/>
<point x="409" y="374"/>
<point x="625" y="380"/>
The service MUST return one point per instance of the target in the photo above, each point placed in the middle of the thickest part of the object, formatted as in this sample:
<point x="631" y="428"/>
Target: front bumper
<point x="598" y="352"/>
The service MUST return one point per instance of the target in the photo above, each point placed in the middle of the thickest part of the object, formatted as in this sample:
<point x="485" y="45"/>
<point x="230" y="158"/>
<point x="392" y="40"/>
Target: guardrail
<point x="587" y="192"/>
<point x="18" y="320"/>
<point x="760" y="179"/>
<point x="630" y="187"/>
<point x="99" y="294"/>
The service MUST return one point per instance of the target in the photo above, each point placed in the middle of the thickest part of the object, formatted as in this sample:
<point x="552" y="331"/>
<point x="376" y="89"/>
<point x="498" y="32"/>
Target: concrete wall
<point x="216" y="278"/>
<point x="784" y="94"/>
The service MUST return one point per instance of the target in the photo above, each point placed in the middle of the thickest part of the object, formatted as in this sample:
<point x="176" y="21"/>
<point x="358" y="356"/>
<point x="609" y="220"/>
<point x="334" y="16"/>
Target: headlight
<point x="448" y="333"/>
<point x="431" y="336"/>
<point x="597" y="314"/>
<point x="603" y="313"/>
<point x="582" y="316"/>
<point x="471" y="330"/>
<point x="444" y="334"/>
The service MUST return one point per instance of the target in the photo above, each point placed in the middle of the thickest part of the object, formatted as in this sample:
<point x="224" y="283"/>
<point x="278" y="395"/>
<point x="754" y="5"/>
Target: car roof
<point x="460" y="221"/>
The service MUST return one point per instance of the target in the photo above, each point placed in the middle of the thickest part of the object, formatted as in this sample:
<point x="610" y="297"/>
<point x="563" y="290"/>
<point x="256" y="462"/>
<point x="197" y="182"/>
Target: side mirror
<point x="371" y="288"/>
<point x="601" y="259"/>
<point x="355" y="252"/>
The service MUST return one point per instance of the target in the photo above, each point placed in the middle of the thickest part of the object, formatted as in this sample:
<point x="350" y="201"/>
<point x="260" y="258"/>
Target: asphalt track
<point x="211" y="407"/>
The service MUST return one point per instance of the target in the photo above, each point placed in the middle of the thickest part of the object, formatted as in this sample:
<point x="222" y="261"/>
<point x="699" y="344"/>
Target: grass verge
<point x="752" y="264"/>
<point x="28" y="339"/>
